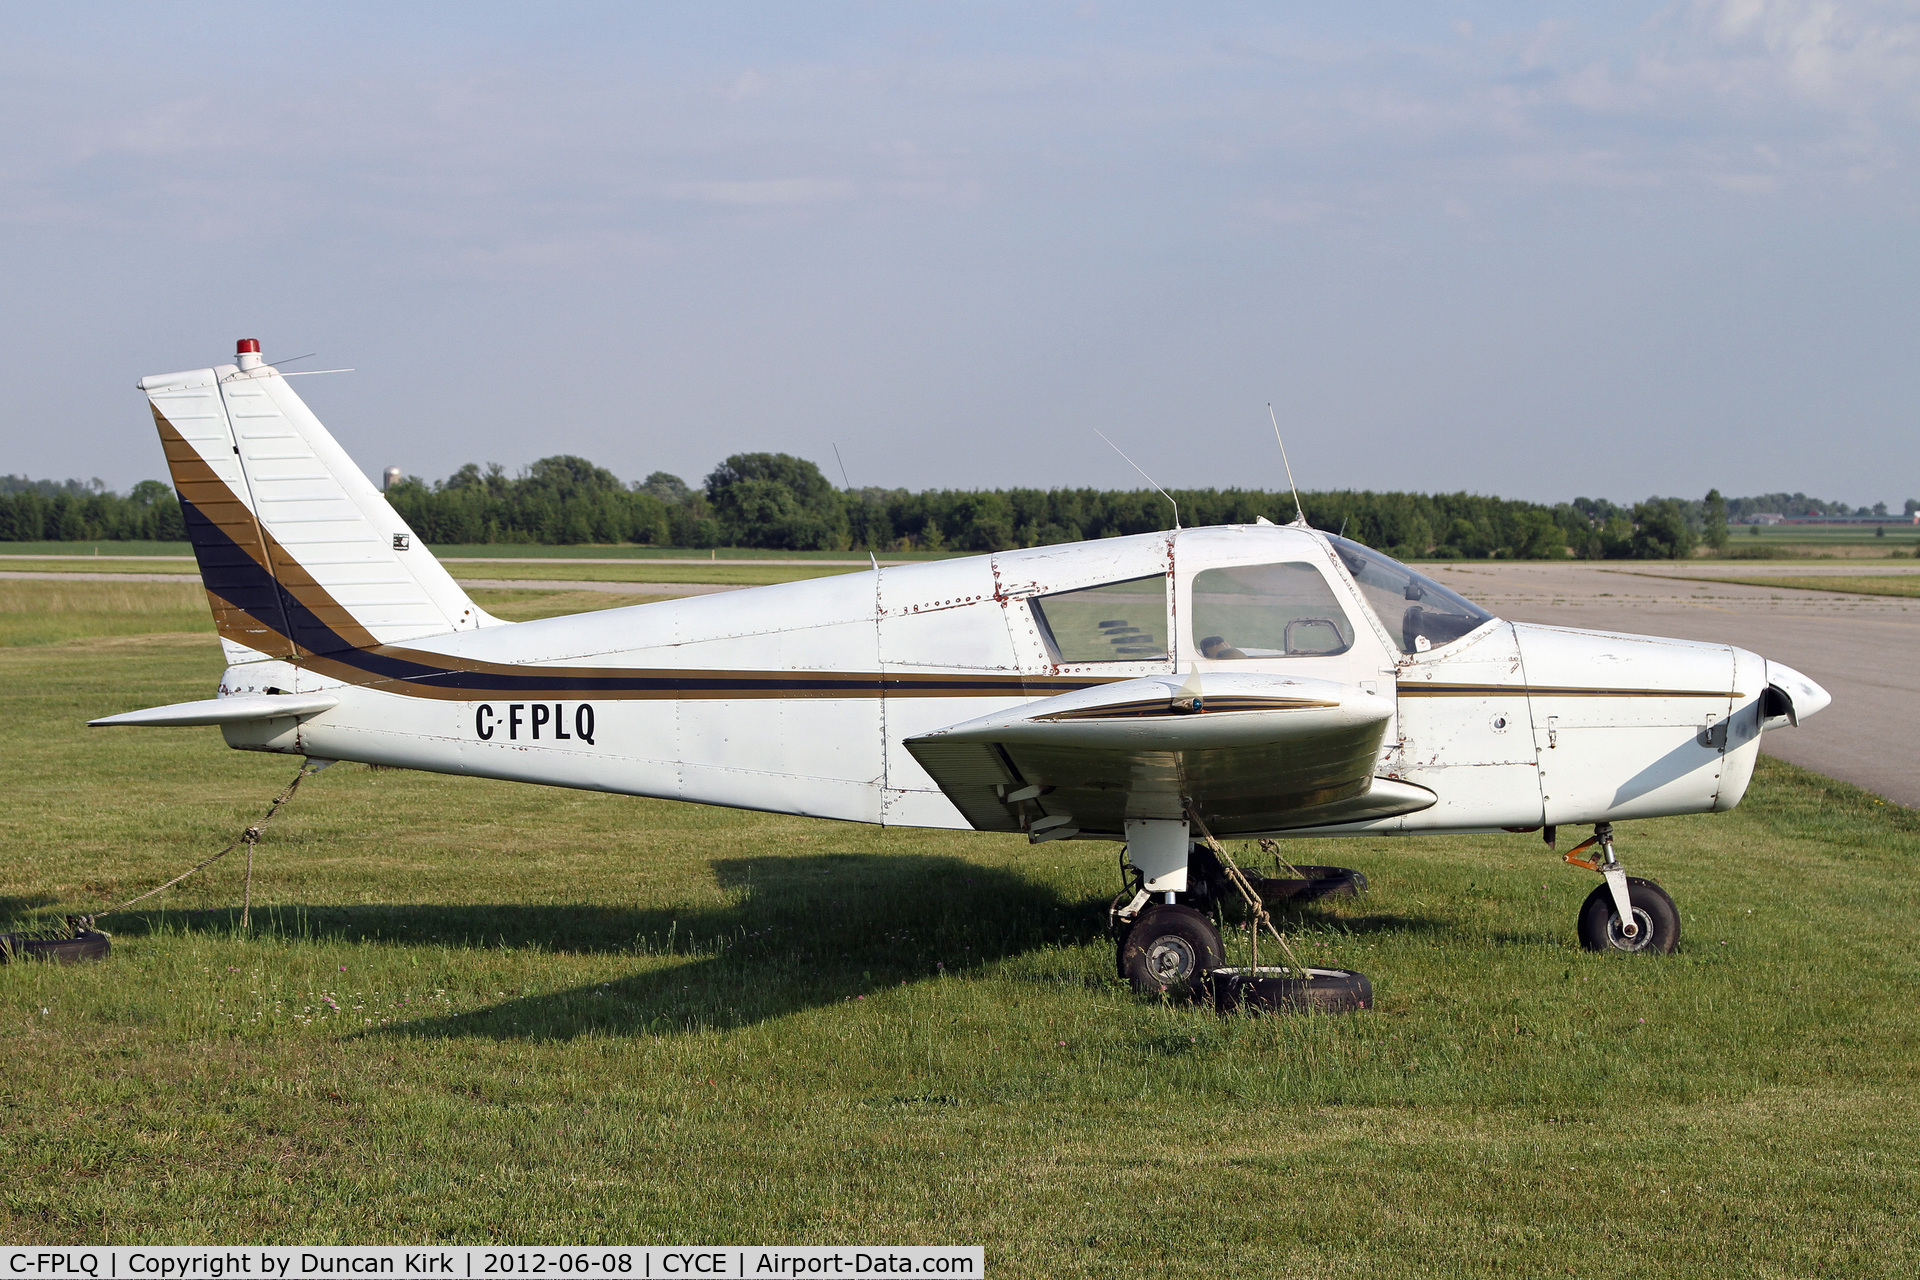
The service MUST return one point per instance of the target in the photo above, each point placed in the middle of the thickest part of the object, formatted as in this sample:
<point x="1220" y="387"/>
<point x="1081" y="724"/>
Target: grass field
<point x="476" y="1011"/>
<point x="1771" y="543"/>
<point x="1792" y="541"/>
<point x="1855" y="584"/>
<point x="101" y="564"/>
<point x="108" y="548"/>
<point x="495" y="550"/>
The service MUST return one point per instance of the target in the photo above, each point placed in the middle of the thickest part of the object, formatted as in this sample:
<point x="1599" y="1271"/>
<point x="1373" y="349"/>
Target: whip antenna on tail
<point x="1299" y="514"/>
<point x="1143" y="475"/>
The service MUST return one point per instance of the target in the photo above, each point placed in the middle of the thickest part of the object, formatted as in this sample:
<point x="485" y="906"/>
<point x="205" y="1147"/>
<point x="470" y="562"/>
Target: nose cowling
<point x="1789" y="697"/>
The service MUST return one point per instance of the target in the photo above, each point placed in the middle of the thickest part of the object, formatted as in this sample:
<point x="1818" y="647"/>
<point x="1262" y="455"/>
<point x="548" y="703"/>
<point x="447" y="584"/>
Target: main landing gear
<point x="1626" y="913"/>
<point x="1170" y="944"/>
<point x="1169" y="947"/>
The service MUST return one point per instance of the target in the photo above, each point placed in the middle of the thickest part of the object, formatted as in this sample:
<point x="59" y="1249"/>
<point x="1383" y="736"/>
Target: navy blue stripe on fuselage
<point x="236" y="577"/>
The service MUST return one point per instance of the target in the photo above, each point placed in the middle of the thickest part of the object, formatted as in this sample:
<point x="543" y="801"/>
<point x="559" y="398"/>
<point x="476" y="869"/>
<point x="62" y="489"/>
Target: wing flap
<point x="974" y="775"/>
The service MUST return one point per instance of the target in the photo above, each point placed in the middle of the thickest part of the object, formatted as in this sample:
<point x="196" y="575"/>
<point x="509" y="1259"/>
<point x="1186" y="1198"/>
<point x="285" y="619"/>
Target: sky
<point x="1534" y="250"/>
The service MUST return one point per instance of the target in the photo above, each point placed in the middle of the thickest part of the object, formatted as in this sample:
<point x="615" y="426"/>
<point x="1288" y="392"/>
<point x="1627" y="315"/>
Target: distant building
<point x="1765" y="517"/>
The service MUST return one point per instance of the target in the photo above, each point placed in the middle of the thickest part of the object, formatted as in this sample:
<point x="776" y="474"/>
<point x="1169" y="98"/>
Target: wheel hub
<point x="1643" y="933"/>
<point x="1170" y="960"/>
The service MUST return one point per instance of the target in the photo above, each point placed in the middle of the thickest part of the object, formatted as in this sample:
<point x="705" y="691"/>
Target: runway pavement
<point x="1864" y="649"/>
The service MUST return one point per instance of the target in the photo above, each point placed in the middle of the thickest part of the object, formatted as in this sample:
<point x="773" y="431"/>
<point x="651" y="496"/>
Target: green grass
<point x="489" y="551"/>
<point x="523" y="605"/>
<point x="476" y="1011"/>
<point x="42" y="613"/>
<point x="1854" y="584"/>
<point x="1792" y="541"/>
<point x="102" y="564"/>
<point x="105" y="548"/>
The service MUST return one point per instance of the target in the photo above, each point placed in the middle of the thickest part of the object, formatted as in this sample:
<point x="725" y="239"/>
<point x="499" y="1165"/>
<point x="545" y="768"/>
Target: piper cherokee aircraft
<point x="1240" y="681"/>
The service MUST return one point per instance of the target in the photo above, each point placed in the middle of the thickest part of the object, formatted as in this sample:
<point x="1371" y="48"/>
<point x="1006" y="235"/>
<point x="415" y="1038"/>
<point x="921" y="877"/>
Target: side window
<point x="1117" y="622"/>
<point x="1268" y="611"/>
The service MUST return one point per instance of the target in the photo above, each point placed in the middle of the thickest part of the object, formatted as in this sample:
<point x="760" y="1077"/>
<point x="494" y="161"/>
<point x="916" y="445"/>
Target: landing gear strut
<point x="1627" y="913"/>
<point x="1165" y="945"/>
<point x="1169" y="946"/>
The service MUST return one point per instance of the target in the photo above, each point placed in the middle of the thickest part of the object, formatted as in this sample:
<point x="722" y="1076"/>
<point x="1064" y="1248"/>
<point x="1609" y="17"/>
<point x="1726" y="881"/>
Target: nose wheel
<point x="1656" y="920"/>
<point x="1626" y="913"/>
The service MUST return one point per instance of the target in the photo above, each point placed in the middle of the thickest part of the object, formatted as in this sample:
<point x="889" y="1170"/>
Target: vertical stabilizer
<point x="298" y="551"/>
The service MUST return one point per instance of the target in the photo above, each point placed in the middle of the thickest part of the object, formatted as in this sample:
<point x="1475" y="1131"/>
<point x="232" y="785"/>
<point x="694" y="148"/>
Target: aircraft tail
<point x="299" y="553"/>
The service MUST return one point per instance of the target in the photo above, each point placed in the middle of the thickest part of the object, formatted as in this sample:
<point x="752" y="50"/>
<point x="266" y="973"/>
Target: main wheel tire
<point x="1170" y="948"/>
<point x="1653" y="912"/>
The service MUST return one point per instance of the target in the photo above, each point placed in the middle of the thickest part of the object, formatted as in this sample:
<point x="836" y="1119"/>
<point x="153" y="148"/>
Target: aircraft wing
<point x="1253" y="752"/>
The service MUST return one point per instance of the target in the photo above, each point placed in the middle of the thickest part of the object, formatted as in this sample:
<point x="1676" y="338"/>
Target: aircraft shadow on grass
<point x="800" y="933"/>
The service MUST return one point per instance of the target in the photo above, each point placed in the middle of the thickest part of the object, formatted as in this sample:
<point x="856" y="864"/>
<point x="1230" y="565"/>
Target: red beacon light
<point x="247" y="353"/>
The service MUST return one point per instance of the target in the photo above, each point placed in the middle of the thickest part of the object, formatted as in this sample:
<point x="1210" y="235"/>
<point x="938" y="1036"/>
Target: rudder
<point x="298" y="551"/>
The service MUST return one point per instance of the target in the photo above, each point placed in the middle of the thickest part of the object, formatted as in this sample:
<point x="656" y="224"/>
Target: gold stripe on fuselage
<point x="1550" y="691"/>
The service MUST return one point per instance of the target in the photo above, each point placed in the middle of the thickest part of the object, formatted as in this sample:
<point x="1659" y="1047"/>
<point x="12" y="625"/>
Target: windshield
<point x="1418" y="612"/>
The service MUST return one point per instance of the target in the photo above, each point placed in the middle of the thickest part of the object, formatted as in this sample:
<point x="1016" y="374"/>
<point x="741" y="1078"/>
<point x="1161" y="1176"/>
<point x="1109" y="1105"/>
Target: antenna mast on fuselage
<point x="1144" y="476"/>
<point x="1299" y="513"/>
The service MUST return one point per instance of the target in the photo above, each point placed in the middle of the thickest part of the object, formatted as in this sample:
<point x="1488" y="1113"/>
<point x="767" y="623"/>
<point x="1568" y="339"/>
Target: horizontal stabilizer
<point x="236" y="710"/>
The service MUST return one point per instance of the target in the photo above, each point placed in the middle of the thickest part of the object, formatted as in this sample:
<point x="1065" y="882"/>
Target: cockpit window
<point x="1418" y="612"/>
<point x="1116" y="622"/>
<point x="1267" y="611"/>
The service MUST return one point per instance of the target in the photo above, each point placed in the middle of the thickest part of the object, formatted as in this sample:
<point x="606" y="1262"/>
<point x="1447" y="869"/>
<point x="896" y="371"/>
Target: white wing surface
<point x="1251" y="753"/>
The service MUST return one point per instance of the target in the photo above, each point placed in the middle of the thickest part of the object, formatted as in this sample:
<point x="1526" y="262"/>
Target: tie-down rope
<point x="1259" y="918"/>
<point x="248" y="837"/>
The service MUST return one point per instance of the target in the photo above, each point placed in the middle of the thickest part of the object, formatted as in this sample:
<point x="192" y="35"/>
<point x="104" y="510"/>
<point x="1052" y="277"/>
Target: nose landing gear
<point x="1627" y="913"/>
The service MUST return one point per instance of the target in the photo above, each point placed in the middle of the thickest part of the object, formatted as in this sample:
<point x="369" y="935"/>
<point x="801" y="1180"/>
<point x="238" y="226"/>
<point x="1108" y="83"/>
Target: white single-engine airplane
<point x="1239" y="681"/>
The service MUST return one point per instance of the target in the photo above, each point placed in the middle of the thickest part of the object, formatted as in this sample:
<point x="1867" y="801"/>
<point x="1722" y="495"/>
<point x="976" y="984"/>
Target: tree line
<point x="781" y="502"/>
<point x="77" y="511"/>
